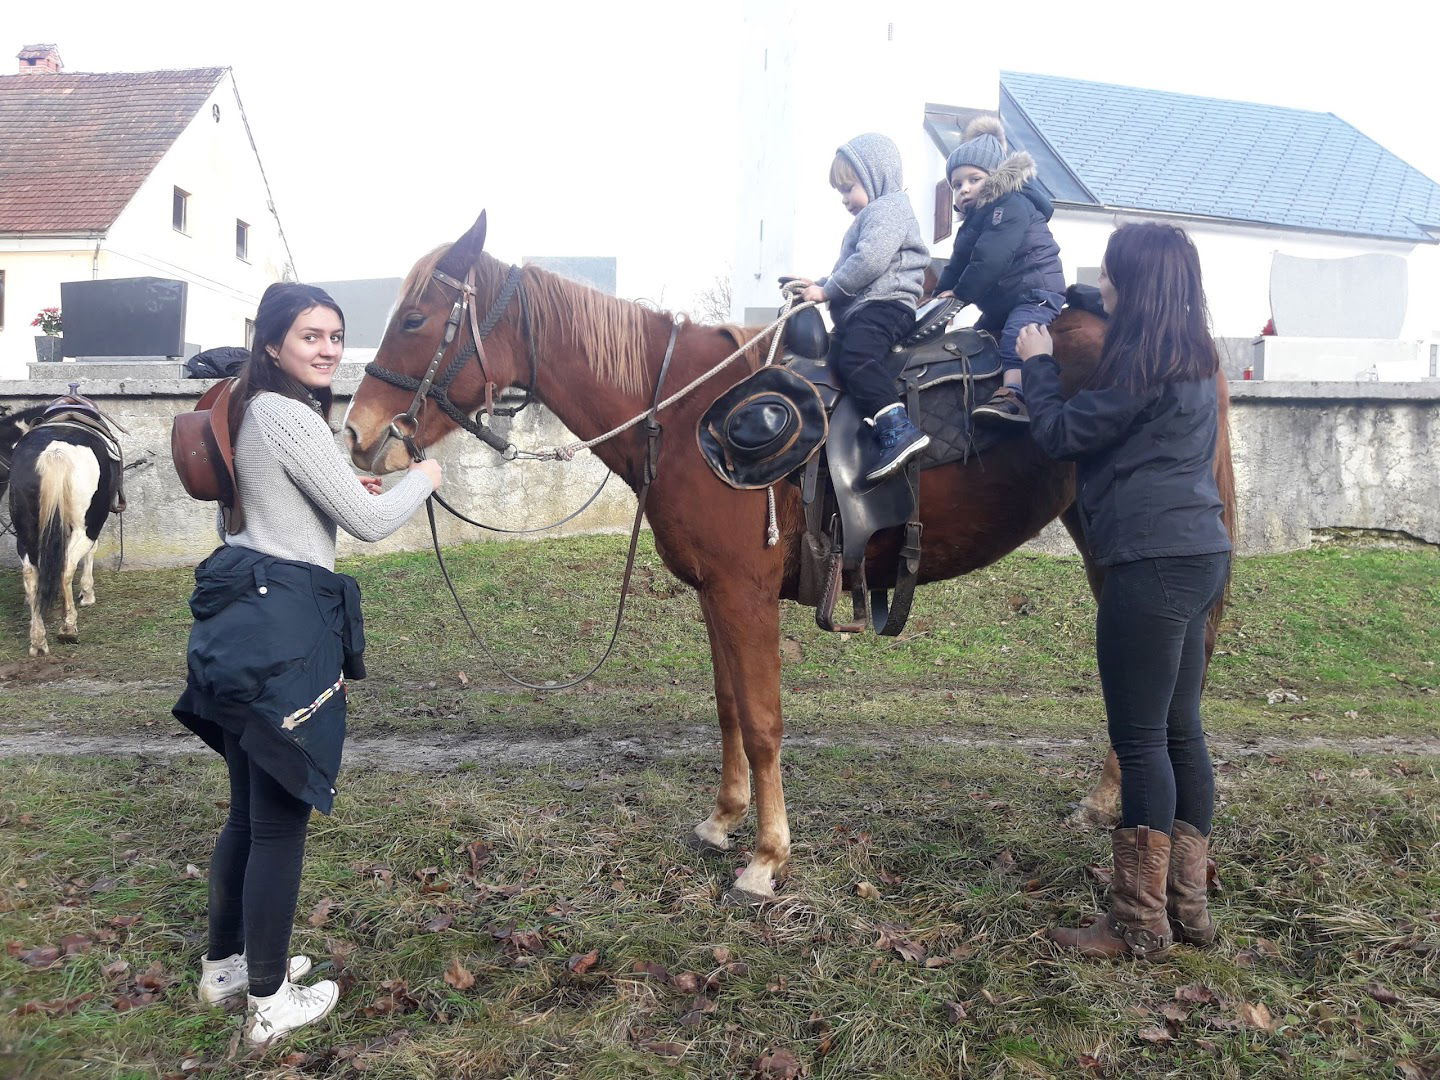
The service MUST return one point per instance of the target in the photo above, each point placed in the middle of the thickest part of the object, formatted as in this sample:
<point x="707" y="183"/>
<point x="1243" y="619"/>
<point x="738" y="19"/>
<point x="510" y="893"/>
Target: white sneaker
<point x="288" y="1008"/>
<point x="221" y="980"/>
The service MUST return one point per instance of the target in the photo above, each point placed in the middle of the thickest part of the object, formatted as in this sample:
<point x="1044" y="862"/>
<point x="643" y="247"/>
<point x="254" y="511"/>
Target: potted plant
<point x="47" y="346"/>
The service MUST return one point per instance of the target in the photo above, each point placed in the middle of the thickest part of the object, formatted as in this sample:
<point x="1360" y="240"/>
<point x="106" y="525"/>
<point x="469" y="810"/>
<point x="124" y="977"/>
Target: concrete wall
<point x="1308" y="456"/>
<point x="165" y="527"/>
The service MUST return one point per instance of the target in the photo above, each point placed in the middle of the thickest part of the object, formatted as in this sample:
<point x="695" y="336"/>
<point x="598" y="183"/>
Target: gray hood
<point x="876" y="160"/>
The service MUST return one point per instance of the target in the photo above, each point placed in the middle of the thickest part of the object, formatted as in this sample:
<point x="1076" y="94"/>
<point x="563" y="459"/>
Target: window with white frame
<point x="242" y="241"/>
<point x="179" y="210"/>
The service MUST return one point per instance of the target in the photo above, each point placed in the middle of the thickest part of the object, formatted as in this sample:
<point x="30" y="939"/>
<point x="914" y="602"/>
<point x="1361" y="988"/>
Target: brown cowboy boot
<point x="1136" y="923"/>
<point x="1186" y="887"/>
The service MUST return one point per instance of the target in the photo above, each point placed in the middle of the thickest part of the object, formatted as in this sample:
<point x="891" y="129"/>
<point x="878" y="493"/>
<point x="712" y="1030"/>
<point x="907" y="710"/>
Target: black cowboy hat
<point x="763" y="428"/>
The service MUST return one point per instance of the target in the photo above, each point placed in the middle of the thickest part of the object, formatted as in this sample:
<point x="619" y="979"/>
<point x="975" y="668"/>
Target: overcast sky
<point x="587" y="132"/>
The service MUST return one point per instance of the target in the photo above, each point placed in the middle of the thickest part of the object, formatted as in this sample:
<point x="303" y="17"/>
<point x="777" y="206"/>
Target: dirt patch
<point x="448" y="753"/>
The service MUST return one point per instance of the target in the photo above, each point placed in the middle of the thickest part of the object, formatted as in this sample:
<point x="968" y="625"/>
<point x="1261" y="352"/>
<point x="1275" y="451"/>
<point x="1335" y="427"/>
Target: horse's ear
<point x="465" y="251"/>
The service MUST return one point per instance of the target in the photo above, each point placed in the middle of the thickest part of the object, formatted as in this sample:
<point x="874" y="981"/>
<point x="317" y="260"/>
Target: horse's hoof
<point x="87" y="601"/>
<point x="69" y="637"/>
<point x="1091" y="817"/>
<point x="39" y="650"/>
<point x="735" y="896"/>
<point x="698" y="844"/>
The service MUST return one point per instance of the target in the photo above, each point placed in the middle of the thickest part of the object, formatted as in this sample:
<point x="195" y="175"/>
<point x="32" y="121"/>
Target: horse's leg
<point x="1101" y="807"/>
<point x="38" y="645"/>
<point x="746" y="631"/>
<point x="733" y="797"/>
<point x="87" y="578"/>
<point x="80" y="545"/>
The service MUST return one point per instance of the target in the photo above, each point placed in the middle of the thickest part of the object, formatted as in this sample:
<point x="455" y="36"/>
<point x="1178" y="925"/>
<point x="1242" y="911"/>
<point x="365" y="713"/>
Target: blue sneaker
<point x="899" y="440"/>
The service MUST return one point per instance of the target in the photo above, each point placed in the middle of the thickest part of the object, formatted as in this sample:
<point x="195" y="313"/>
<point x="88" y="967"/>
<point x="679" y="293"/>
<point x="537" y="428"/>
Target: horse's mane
<point x="612" y="333"/>
<point x="11" y="425"/>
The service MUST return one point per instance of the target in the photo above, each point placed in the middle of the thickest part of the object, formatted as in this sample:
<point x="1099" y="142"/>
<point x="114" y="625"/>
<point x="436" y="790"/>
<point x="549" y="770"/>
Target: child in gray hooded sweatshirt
<point x="873" y="291"/>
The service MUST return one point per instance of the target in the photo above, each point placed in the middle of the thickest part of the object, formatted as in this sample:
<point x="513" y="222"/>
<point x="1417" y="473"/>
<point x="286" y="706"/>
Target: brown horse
<point x="594" y="361"/>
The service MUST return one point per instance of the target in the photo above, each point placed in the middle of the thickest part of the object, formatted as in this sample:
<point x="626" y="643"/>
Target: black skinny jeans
<point x="864" y="362"/>
<point x="1150" y="643"/>
<point x="255" y="871"/>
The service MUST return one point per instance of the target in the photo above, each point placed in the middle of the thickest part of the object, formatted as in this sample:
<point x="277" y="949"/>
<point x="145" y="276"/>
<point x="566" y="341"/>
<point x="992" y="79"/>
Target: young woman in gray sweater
<point x="277" y="632"/>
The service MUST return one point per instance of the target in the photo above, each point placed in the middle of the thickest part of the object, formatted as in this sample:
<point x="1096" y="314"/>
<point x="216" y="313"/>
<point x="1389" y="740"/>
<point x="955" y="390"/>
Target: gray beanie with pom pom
<point x="984" y="146"/>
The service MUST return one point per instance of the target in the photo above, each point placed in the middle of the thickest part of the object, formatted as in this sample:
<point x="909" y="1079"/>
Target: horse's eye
<point x="414" y="320"/>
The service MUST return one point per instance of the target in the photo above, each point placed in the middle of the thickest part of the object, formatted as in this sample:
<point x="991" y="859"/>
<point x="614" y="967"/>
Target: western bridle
<point x="406" y="427"/>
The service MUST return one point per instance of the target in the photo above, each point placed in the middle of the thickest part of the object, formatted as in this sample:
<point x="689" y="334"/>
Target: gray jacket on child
<point x="882" y="256"/>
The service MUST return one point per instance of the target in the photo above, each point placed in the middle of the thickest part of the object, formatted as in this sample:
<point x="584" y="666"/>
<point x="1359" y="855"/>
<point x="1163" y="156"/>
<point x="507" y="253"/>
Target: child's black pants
<point x="864" y="362"/>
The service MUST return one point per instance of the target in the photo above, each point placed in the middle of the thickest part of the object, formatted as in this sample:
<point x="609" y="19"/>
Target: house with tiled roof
<point x="1274" y="197"/>
<point x="131" y="174"/>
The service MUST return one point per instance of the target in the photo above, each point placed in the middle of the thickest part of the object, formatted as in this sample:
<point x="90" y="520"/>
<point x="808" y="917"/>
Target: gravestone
<point x="1363" y="296"/>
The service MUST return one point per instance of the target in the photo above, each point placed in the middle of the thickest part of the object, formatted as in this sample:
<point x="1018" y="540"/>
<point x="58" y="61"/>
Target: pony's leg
<point x="733" y="797"/>
<point x="38" y="645"/>
<point x="87" y="578"/>
<point x="746" y="621"/>
<point x="1101" y="807"/>
<point x="80" y="546"/>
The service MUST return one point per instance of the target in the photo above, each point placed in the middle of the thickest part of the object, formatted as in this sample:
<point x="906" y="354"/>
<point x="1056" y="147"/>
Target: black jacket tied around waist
<point x="273" y="644"/>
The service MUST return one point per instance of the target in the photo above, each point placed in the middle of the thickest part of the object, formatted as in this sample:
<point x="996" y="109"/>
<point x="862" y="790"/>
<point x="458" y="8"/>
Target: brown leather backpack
<point x="204" y="455"/>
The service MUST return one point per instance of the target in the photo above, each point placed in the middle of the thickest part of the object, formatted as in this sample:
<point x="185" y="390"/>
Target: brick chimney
<point x="40" y="60"/>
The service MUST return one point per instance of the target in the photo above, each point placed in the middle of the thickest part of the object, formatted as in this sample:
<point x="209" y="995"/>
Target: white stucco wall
<point x="213" y="161"/>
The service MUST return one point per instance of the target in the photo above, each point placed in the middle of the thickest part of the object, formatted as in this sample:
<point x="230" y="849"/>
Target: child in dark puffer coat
<point x="1005" y="260"/>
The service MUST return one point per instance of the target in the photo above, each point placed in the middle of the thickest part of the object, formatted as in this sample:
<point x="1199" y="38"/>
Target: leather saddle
<point x="73" y="410"/>
<point x="943" y="376"/>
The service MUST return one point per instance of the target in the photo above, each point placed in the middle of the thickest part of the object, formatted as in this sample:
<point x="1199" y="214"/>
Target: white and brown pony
<point x="62" y="480"/>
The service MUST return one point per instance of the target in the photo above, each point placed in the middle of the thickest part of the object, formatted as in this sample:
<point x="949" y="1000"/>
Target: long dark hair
<point x="282" y="304"/>
<point x="1159" y="331"/>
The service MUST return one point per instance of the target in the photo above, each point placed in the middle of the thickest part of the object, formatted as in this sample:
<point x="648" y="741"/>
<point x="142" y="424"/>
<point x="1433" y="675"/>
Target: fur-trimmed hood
<point x="1014" y="173"/>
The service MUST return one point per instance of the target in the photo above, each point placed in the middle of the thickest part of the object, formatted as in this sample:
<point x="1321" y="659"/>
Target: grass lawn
<point x="543" y="918"/>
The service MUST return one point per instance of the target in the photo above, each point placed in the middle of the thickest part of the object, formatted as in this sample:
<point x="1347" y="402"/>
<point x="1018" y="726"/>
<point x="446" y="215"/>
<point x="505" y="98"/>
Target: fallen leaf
<point x="1383" y="994"/>
<point x="779" y="1065"/>
<point x="59" y="1007"/>
<point x="1174" y="1013"/>
<point x="721" y="954"/>
<point x="1157" y="1035"/>
<point x="1266" y="947"/>
<point x="395" y="1000"/>
<point x="1255" y="1016"/>
<point x="652" y="971"/>
<point x="866" y="891"/>
<point x="1091" y="1064"/>
<point x="464" y="679"/>
<point x="41" y="957"/>
<point x="933" y="962"/>
<point x="1101" y="875"/>
<point x="700" y="1007"/>
<point x="954" y="1012"/>
<point x="687" y="982"/>
<point x="1005" y="860"/>
<point x="1195" y="993"/>
<point x="192" y="872"/>
<point x="582" y="963"/>
<point x="120" y="922"/>
<point x="440" y="922"/>
<point x="75" y="944"/>
<point x="118" y="969"/>
<point x="104" y="885"/>
<point x="669" y="1050"/>
<point x="777" y="986"/>
<point x="480" y="853"/>
<point x="321" y="912"/>
<point x="153" y="978"/>
<point x="458" y="976"/>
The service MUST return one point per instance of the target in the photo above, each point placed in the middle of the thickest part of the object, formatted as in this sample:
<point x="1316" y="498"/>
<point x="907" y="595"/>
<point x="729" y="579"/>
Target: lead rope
<point x="652" y="457"/>
<point x="792" y="290"/>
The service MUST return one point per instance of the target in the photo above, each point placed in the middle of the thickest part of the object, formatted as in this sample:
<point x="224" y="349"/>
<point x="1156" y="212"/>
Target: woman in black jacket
<point x="1143" y="436"/>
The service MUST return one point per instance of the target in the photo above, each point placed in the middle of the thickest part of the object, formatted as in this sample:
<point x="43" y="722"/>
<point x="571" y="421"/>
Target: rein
<point x="405" y="427"/>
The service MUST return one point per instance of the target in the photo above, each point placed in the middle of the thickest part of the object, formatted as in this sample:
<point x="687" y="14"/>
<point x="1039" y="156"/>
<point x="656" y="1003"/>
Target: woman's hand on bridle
<point x="371" y="484"/>
<point x="431" y="470"/>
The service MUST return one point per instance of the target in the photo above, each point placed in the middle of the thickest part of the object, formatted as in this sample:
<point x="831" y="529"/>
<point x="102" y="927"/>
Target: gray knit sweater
<point x="297" y="487"/>
<point x="882" y="256"/>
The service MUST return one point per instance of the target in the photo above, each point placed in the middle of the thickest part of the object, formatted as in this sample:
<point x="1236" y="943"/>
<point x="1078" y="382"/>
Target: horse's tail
<point x="1225" y="482"/>
<point x="56" y="472"/>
